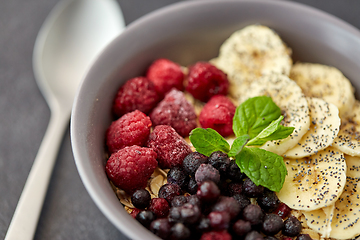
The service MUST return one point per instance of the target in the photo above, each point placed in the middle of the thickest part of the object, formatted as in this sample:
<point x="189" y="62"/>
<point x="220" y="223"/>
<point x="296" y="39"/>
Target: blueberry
<point x="178" y="176"/>
<point x="175" y="214"/>
<point x="207" y="172"/>
<point x="192" y="186"/>
<point x="179" y="232"/>
<point x="194" y="200"/>
<point x="234" y="188"/>
<point x="304" y="237"/>
<point x="241" y="227"/>
<point x="227" y="204"/>
<point x="161" y="228"/>
<point x="190" y="214"/>
<point x="268" y="201"/>
<point x="208" y="191"/>
<point x="169" y="191"/>
<point x="219" y="220"/>
<point x="141" y="198"/>
<point x="292" y="227"/>
<point x="242" y="200"/>
<point x="272" y="224"/>
<point x="253" y="235"/>
<point x="253" y="214"/>
<point x="193" y="161"/>
<point x="234" y="172"/>
<point x="220" y="161"/>
<point x="270" y="238"/>
<point x="145" y="218"/>
<point x="204" y="225"/>
<point x="251" y="190"/>
<point x="178" y="201"/>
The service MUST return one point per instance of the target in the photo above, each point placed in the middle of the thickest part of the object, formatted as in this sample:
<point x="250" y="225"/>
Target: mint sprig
<point x="255" y="122"/>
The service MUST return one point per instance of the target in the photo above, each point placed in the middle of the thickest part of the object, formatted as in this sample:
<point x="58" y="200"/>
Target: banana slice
<point x="348" y="139"/>
<point x="346" y="220"/>
<point x="289" y="97"/>
<point x="320" y="220"/>
<point x="314" y="182"/>
<point x="250" y="53"/>
<point x="325" y="82"/>
<point x="324" y="127"/>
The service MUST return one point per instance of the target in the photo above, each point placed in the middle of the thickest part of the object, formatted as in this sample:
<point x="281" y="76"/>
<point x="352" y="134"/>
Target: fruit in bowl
<point x="96" y="97"/>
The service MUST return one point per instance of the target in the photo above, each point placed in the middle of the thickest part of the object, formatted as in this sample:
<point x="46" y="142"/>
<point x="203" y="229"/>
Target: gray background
<point x="69" y="212"/>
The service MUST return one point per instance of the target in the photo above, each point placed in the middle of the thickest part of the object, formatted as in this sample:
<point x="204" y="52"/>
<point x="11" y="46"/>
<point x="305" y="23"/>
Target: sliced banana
<point x="320" y="220"/>
<point x="314" y="182"/>
<point x="250" y="53"/>
<point x="348" y="139"/>
<point x="324" y="127"/>
<point x="289" y="97"/>
<point x="346" y="220"/>
<point x="325" y="82"/>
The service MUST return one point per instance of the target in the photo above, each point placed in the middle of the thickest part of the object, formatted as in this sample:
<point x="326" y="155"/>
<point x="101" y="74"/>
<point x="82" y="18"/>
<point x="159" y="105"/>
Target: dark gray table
<point x="69" y="212"/>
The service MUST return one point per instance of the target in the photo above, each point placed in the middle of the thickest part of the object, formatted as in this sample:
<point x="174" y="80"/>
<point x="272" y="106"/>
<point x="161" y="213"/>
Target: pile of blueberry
<point x="209" y="198"/>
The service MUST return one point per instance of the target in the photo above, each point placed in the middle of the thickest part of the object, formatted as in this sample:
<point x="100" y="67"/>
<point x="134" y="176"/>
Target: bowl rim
<point x="76" y="138"/>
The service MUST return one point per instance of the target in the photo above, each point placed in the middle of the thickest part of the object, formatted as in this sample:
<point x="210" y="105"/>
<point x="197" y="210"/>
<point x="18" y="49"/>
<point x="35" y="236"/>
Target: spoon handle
<point x="27" y="212"/>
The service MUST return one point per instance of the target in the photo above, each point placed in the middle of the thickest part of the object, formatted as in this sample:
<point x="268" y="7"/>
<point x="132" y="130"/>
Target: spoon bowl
<point x="68" y="42"/>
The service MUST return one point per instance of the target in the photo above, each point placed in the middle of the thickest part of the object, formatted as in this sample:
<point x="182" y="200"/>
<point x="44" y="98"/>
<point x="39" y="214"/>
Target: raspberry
<point x="130" y="167"/>
<point x="135" y="212"/>
<point x="218" y="114"/>
<point x="170" y="147"/>
<point x="165" y="75"/>
<point x="136" y="94"/>
<point x="176" y="111"/>
<point x="216" y="235"/>
<point x="131" y="129"/>
<point x="205" y="81"/>
<point x="160" y="207"/>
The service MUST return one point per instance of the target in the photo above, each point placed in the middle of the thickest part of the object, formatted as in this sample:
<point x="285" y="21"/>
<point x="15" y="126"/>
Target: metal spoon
<point x="71" y="37"/>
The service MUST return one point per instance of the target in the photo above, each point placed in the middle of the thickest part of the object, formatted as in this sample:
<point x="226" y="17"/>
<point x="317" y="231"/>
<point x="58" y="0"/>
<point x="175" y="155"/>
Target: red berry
<point x="205" y="80"/>
<point x="218" y="114"/>
<point x="216" y="235"/>
<point x="136" y="94"/>
<point x="131" y="129"/>
<point x="135" y="212"/>
<point x="165" y="75"/>
<point x="176" y="111"/>
<point x="170" y="147"/>
<point x="282" y="210"/>
<point x="160" y="207"/>
<point x="130" y="167"/>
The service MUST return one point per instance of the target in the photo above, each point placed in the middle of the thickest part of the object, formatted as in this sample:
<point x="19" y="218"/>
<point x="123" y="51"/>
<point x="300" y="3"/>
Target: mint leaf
<point x="207" y="141"/>
<point x="253" y="115"/>
<point x="238" y="145"/>
<point x="262" y="167"/>
<point x="274" y="131"/>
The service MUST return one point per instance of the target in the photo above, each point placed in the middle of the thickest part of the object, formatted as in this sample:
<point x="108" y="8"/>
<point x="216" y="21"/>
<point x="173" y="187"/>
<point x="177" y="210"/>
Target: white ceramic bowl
<point x="187" y="32"/>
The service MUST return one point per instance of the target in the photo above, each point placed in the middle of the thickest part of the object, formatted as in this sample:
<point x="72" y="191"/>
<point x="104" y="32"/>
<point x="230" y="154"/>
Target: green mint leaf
<point x="238" y="145"/>
<point x="274" y="131"/>
<point x="253" y="115"/>
<point x="207" y="141"/>
<point x="262" y="167"/>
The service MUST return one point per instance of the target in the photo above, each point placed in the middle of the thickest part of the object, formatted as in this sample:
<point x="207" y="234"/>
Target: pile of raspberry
<point x="208" y="198"/>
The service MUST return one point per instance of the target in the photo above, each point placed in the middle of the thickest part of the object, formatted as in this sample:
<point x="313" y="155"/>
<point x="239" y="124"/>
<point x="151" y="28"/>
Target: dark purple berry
<point x="253" y="235"/>
<point x="292" y="227"/>
<point x="161" y="228"/>
<point x="219" y="220"/>
<point x="141" y="198"/>
<point x="208" y="191"/>
<point x="192" y="186"/>
<point x="227" y="204"/>
<point x="251" y="190"/>
<point x="282" y="210"/>
<point x="175" y="214"/>
<point x="178" y="201"/>
<point x="272" y="224"/>
<point x="220" y="161"/>
<point x="179" y="232"/>
<point x="169" y="191"/>
<point x="190" y="214"/>
<point x="253" y="214"/>
<point x="234" y="172"/>
<point x="304" y="237"/>
<point x="193" y="161"/>
<point x="207" y="172"/>
<point x="242" y="200"/>
<point x="194" y="200"/>
<point x="234" y="188"/>
<point x="178" y="176"/>
<point x="241" y="227"/>
<point x="270" y="238"/>
<point x="145" y="218"/>
<point x="204" y="225"/>
<point x="268" y="201"/>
